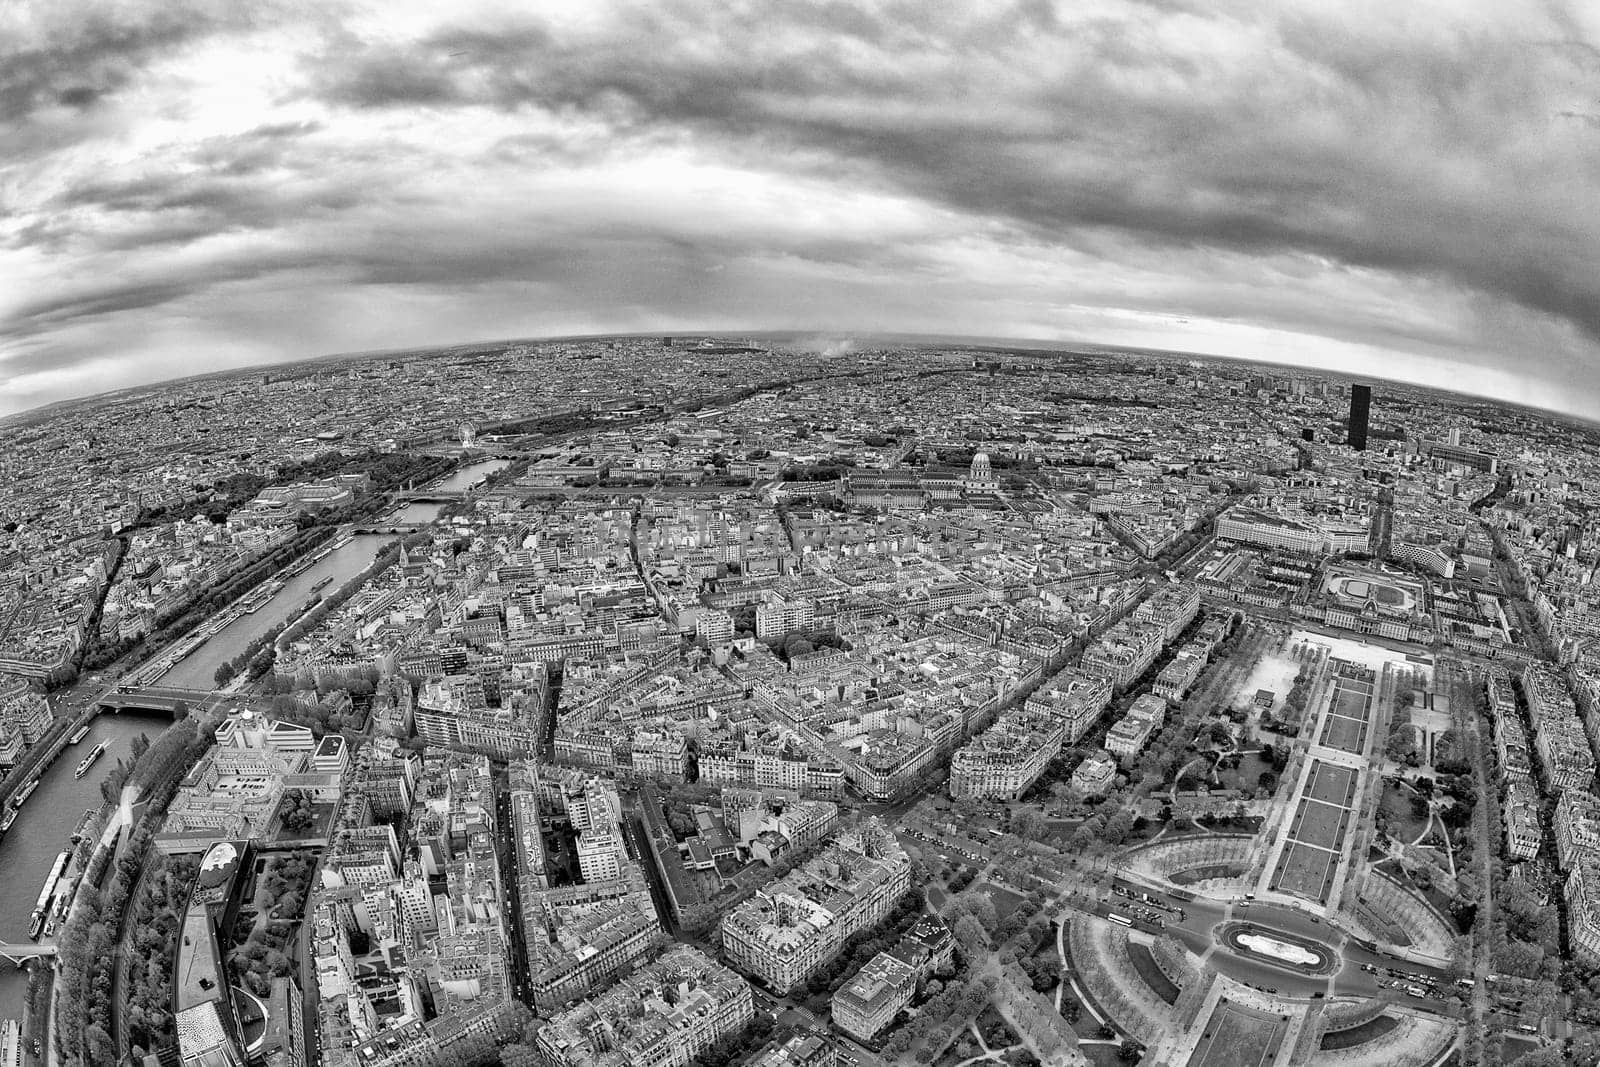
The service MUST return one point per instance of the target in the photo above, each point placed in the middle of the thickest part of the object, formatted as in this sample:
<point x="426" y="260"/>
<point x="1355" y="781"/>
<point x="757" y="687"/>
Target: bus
<point x="1119" y="919"/>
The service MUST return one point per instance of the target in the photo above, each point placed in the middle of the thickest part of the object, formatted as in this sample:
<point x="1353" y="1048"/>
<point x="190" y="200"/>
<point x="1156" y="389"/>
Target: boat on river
<point x="41" y="907"/>
<point x="22" y="796"/>
<point x="88" y="761"/>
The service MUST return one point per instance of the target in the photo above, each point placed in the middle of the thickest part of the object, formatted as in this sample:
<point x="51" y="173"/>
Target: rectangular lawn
<point x="1236" y="1036"/>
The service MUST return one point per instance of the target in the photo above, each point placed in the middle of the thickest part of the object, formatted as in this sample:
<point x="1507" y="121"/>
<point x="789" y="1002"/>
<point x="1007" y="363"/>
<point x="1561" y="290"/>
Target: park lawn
<point x="958" y="1050"/>
<point x="1246" y="776"/>
<point x="1151" y="972"/>
<point x="1371" y="1030"/>
<point x="1085" y="1027"/>
<point x="1104" y="1055"/>
<point x="1005" y="901"/>
<point x="1058" y="833"/>
<point x="1435" y="854"/>
<point x="1404" y="826"/>
<point x="321" y="820"/>
<point x="1517" y="1046"/>
<point x="992" y="1025"/>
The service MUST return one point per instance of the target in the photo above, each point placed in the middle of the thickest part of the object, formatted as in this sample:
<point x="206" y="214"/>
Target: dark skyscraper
<point x="1360" y="402"/>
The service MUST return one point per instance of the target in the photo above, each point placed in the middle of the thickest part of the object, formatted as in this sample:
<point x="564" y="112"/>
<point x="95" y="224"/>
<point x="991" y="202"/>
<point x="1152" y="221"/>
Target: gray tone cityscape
<point x="837" y="536"/>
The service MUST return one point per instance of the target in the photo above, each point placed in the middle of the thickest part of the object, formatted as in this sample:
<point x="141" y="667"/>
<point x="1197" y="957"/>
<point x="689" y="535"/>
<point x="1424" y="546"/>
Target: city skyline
<point x="802" y="341"/>
<point x="195" y="190"/>
<point x="753" y="704"/>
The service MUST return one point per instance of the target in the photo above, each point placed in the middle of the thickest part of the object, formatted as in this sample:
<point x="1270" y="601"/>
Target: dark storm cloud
<point x="1340" y="145"/>
<point x="40" y="315"/>
<point x="92" y="51"/>
<point x="1373" y="173"/>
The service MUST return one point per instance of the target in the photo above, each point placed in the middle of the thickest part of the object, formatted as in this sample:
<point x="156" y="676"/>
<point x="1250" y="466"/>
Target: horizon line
<point x="1019" y="344"/>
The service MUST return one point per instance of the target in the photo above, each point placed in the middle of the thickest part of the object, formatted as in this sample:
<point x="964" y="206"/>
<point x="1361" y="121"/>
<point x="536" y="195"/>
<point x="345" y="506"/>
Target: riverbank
<point x="44" y="827"/>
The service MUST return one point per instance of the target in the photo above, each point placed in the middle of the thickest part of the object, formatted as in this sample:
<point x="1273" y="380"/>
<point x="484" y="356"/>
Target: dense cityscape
<point x="736" y="700"/>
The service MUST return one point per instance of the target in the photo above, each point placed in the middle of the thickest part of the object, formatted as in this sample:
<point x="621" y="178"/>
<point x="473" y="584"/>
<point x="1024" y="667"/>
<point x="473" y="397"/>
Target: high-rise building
<point x="1360" y="405"/>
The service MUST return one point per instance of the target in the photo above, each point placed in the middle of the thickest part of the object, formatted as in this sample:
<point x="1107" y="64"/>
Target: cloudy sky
<point x="1408" y="189"/>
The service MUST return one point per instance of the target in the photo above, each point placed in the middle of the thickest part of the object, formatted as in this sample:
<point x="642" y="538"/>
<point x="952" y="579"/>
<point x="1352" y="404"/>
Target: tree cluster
<point x="157" y="916"/>
<point x="87" y="941"/>
<point x="320" y="717"/>
<point x="1043" y="969"/>
<point x="799" y="644"/>
<point x="862" y="947"/>
<point x="826" y="471"/>
<point x="945" y="1009"/>
<point x="738" y="1048"/>
<point x="996" y="1032"/>
<point x="261" y="936"/>
<point x="1450" y="753"/>
<point x="1294" y="705"/>
<point x="296" y="813"/>
<point x="180" y="619"/>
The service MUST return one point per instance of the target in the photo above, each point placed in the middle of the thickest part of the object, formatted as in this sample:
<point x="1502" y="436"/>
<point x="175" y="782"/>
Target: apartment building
<point x="790" y="928"/>
<point x="1005" y="760"/>
<point x="1094" y="776"/>
<point x="868" y="1003"/>
<point x="1077" y="698"/>
<point x="663" y="1015"/>
<point x="1128" y="735"/>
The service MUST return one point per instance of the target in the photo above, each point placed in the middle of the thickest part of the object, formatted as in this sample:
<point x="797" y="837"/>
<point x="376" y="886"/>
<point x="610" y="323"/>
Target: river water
<point x="471" y="475"/>
<point x="198" y="670"/>
<point x="415" y="513"/>
<point x="45" y="826"/>
<point x="418" y="512"/>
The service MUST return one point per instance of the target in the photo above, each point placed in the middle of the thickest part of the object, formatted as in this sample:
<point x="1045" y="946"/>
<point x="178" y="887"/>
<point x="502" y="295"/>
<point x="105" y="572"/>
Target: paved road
<point x="1198" y="929"/>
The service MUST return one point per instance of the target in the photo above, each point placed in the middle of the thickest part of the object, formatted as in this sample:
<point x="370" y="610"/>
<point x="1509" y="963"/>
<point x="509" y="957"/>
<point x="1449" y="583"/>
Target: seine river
<point x="418" y="512"/>
<point x="45" y="826"/>
<point x="471" y="475"/>
<point x="198" y="670"/>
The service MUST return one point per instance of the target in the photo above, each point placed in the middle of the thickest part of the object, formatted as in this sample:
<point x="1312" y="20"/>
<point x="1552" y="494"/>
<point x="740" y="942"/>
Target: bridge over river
<point x="204" y="703"/>
<point x="430" y="496"/>
<point x="159" y="698"/>
<point x="25" y="951"/>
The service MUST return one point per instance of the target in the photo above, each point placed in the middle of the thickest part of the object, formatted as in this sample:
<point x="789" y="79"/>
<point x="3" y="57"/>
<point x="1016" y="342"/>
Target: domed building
<point x="981" y="479"/>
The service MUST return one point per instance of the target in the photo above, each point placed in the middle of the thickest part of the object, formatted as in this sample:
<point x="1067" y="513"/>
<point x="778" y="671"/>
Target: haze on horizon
<point x="1405" y="191"/>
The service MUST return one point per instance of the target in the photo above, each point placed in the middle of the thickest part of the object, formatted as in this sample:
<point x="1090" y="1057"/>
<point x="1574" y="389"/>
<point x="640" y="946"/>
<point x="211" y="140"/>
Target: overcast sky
<point x="1409" y="189"/>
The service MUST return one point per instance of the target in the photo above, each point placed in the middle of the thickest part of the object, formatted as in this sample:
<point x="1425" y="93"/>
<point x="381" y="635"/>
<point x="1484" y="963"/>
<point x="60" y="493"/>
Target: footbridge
<point x="22" y="953"/>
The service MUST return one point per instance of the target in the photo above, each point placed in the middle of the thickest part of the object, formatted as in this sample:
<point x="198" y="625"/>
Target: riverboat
<point x="22" y="797"/>
<point x="88" y="761"/>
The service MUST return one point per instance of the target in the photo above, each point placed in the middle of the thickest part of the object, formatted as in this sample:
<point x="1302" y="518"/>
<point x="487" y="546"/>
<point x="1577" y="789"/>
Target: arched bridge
<point x="20" y="953"/>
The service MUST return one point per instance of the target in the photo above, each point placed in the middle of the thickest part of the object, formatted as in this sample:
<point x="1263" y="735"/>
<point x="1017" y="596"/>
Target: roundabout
<point x="1290" y="952"/>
